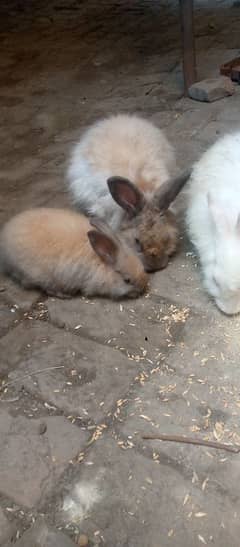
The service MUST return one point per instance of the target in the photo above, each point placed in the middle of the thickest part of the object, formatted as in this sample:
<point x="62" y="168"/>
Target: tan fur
<point x="157" y="235"/>
<point x="50" y="249"/>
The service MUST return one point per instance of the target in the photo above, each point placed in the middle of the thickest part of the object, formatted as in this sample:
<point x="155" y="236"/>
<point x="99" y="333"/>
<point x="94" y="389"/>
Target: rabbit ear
<point x="98" y="223"/>
<point x="127" y="195"/>
<point x="169" y="190"/>
<point x="104" y="228"/>
<point x="105" y="247"/>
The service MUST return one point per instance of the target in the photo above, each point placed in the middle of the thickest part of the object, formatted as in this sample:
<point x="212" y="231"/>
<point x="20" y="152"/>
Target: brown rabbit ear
<point x="103" y="246"/>
<point x="169" y="190"/>
<point x="126" y="194"/>
<point x="100" y="225"/>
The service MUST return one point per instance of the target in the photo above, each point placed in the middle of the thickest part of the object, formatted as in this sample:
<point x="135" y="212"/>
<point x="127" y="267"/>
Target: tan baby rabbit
<point x="62" y="253"/>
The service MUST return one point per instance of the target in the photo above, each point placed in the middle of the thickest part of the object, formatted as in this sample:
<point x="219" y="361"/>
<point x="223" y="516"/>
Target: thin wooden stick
<point x="3" y="386"/>
<point x="190" y="440"/>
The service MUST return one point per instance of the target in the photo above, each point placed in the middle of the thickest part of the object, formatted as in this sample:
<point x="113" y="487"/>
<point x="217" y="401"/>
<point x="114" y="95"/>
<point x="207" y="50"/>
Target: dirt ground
<point x="88" y="378"/>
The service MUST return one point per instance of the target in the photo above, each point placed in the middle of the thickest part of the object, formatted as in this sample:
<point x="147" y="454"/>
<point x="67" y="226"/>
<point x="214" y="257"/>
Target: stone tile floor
<point x="86" y="379"/>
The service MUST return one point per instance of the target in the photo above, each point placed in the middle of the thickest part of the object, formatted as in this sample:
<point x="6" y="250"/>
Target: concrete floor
<point x="168" y="362"/>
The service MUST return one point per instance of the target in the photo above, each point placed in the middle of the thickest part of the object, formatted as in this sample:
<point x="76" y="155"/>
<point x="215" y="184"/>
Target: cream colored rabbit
<point x="137" y="158"/>
<point x="60" y="252"/>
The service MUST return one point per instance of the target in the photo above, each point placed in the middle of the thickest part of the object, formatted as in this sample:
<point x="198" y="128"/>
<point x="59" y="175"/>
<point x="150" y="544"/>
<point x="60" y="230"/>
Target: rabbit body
<point x="124" y="145"/>
<point x="57" y="251"/>
<point x="213" y="220"/>
<point x="120" y="171"/>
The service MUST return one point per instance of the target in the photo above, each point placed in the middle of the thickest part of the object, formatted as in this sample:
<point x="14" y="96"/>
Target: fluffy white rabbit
<point x="213" y="220"/>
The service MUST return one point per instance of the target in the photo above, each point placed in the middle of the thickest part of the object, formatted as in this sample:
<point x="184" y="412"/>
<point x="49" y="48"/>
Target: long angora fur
<point x="123" y="171"/>
<point x="213" y="220"/>
<point x="62" y="253"/>
<point x="125" y="145"/>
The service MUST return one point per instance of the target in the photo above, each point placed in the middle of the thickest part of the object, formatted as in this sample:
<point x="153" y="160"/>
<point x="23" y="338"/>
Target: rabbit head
<point x="222" y="268"/>
<point x="150" y="227"/>
<point x="129" y="278"/>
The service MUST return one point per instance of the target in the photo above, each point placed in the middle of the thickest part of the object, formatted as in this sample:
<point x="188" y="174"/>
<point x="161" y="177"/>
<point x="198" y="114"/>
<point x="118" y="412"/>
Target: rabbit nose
<point x="157" y="264"/>
<point x="164" y="262"/>
<point x="135" y="293"/>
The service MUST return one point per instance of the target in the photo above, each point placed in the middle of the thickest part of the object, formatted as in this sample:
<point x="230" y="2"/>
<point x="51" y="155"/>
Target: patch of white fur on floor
<point x="81" y="500"/>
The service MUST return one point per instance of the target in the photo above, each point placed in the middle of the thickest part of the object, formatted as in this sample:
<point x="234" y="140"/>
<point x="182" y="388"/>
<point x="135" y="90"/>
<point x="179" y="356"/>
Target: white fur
<point x="81" y="500"/>
<point x="212" y="219"/>
<point x="122" y="145"/>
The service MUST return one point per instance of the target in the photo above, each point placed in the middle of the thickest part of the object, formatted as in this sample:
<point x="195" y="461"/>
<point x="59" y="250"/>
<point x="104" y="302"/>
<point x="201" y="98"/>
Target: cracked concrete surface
<point x="88" y="378"/>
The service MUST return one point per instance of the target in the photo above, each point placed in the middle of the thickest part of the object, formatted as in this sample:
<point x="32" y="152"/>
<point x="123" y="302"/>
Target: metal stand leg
<point x="189" y="59"/>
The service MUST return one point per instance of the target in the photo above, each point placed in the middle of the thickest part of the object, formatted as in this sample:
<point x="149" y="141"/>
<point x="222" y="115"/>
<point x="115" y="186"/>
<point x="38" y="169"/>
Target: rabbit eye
<point x="127" y="280"/>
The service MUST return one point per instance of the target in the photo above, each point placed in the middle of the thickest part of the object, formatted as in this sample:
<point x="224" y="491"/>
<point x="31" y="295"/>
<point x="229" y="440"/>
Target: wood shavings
<point x="200" y="515"/>
<point x="218" y="431"/>
<point x="145" y="417"/>
<point x="186" y="499"/>
<point x="201" y="381"/>
<point x="195" y="428"/>
<point x="194" y="477"/>
<point x="97" y="433"/>
<point x="49" y="407"/>
<point x="201" y="539"/>
<point x="204" y="484"/>
<point x="208" y="454"/>
<point x="177" y="315"/>
<point x="236" y="438"/>
<point x="121" y="402"/>
<point x="125" y="444"/>
<point x="167" y="389"/>
<point x="130" y="444"/>
<point x="142" y="378"/>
